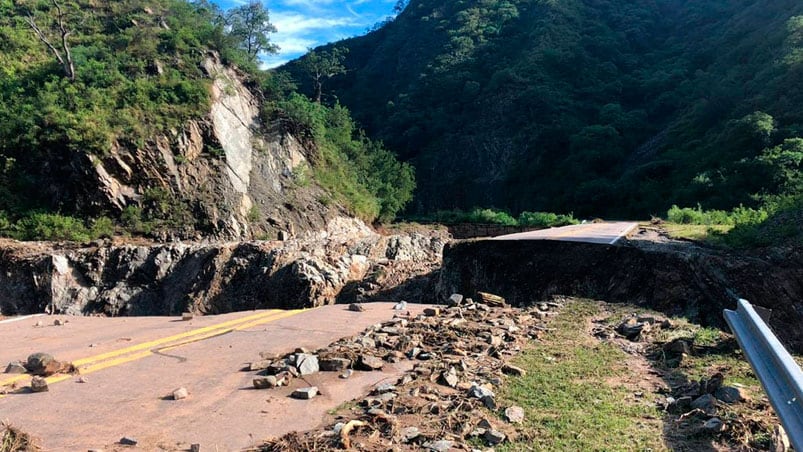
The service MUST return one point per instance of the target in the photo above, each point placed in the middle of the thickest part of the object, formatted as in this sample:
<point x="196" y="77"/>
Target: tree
<point x="250" y="25"/>
<point x="323" y="66"/>
<point x="63" y="53"/>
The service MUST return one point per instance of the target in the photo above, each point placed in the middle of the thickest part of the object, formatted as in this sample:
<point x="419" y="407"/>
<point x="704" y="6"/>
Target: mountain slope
<point x="601" y="107"/>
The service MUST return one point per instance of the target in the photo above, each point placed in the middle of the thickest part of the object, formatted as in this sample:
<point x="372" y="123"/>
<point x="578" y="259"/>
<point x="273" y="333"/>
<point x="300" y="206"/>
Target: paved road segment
<point x="605" y="233"/>
<point x="131" y="364"/>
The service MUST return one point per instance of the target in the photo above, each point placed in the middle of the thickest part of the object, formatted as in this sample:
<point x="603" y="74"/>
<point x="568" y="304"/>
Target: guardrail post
<point x="778" y="372"/>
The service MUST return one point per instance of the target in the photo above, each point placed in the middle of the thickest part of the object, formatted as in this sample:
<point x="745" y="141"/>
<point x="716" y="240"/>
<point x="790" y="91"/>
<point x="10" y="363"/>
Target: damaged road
<point x="130" y="370"/>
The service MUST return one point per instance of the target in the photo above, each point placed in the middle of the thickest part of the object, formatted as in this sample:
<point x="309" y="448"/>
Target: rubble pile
<point x="39" y="365"/>
<point x="445" y="401"/>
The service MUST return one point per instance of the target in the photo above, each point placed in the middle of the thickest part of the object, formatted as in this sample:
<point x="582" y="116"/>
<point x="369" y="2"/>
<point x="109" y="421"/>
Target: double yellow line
<point x="144" y="349"/>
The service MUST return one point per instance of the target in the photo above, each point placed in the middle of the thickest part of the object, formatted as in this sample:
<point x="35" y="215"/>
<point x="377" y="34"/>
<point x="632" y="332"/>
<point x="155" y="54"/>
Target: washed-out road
<point x="606" y="233"/>
<point x="130" y="366"/>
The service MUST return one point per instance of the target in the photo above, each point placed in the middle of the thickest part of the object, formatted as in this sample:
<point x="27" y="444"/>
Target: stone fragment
<point x="266" y="382"/>
<point x="730" y="394"/>
<point x="455" y="299"/>
<point x="307" y="364"/>
<point x="510" y="369"/>
<point x="128" y="441"/>
<point x="38" y="384"/>
<point x="58" y="322"/>
<point x="346" y="374"/>
<point x="259" y="365"/>
<point x="632" y="329"/>
<point x="180" y="393"/>
<point x="334" y="364"/>
<point x="450" y="378"/>
<point x="187" y="316"/>
<point x="490" y="299"/>
<point x="39" y="323"/>
<point x="715" y="425"/>
<point x="438" y="446"/>
<point x="706" y="402"/>
<point x="479" y="392"/>
<point x="195" y="447"/>
<point x="432" y="312"/>
<point x="305" y="393"/>
<point x="514" y="414"/>
<point x="15" y="367"/>
<point x="494" y="437"/>
<point x="355" y="307"/>
<point x="410" y="434"/>
<point x="384" y="388"/>
<point x="368" y="362"/>
<point x="780" y="440"/>
<point x="366" y="342"/>
<point x="424" y="356"/>
<point x="400" y="306"/>
<point x="38" y="363"/>
<point x="677" y="346"/>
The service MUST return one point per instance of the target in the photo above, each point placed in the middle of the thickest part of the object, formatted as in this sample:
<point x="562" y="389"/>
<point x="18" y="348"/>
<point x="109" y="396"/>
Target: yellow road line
<point x="203" y="333"/>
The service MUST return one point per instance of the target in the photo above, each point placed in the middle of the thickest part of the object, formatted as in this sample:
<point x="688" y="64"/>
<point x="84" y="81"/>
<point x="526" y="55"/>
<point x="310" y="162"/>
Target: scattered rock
<point x="730" y="394"/>
<point x="58" y="322"/>
<point x="128" y="441"/>
<point x="706" y="403"/>
<point x="492" y="300"/>
<point x="38" y="363"/>
<point x="455" y="299"/>
<point x="82" y="379"/>
<point x="780" y="440"/>
<point x="346" y="374"/>
<point x="432" y="312"/>
<point x="180" y="393"/>
<point x="307" y="364"/>
<point x="410" y="434"/>
<point x="678" y="346"/>
<point x="195" y="447"/>
<point x="510" y="369"/>
<point x="266" y="382"/>
<point x="494" y="437"/>
<point x="334" y="364"/>
<point x="400" y="306"/>
<point x="187" y="316"/>
<point x="632" y="329"/>
<point x="715" y="425"/>
<point x="39" y="323"/>
<point x="15" y="367"/>
<point x="514" y="414"/>
<point x="384" y="388"/>
<point x="39" y="384"/>
<point x="356" y="307"/>
<point x="305" y="393"/>
<point x="368" y="362"/>
<point x="259" y="365"/>
<point x="438" y="446"/>
<point x="450" y="378"/>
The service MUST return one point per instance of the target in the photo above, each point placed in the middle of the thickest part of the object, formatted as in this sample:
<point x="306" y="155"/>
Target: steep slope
<point x="148" y="117"/>
<point x="601" y="107"/>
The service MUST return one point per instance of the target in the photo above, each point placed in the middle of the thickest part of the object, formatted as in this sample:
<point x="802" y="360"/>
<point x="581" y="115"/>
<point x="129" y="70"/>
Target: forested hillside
<point x="113" y="116"/>
<point x="600" y="107"/>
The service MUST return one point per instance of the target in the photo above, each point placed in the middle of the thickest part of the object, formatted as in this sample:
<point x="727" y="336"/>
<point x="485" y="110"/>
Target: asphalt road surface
<point x="130" y="365"/>
<point x="606" y="233"/>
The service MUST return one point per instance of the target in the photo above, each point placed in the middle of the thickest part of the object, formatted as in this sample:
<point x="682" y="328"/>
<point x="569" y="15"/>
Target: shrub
<point x="545" y="219"/>
<point x="46" y="226"/>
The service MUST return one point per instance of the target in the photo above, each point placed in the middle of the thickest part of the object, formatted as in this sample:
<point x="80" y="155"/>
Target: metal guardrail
<point x="776" y="369"/>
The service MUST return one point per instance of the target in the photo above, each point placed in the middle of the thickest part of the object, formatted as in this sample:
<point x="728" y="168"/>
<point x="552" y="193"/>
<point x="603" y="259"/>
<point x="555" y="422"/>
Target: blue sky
<point x="303" y="24"/>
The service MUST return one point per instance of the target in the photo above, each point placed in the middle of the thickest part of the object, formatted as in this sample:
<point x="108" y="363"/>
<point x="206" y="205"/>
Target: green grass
<point x="566" y="394"/>
<point x="697" y="232"/>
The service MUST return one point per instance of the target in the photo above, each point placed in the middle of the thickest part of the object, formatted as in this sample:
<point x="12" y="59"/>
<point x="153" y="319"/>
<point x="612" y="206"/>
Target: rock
<point x="410" y="434"/>
<point x="479" y="392"/>
<point x="38" y="384"/>
<point x="780" y="440"/>
<point x="259" y="365"/>
<point x="713" y="384"/>
<point x="400" y="306"/>
<point x="346" y="374"/>
<point x="128" y="441"/>
<point x="644" y="318"/>
<point x="677" y="346"/>
<point x="356" y="307"/>
<point x="495" y="341"/>
<point x="455" y="299"/>
<point x="180" y="393"/>
<point x="632" y="329"/>
<point x="706" y="402"/>
<point x="305" y="393"/>
<point x="187" y="316"/>
<point x="266" y="382"/>
<point x="39" y="323"/>
<point x="368" y="362"/>
<point x="438" y="446"/>
<point x="432" y="312"/>
<point x="366" y="342"/>
<point x="59" y="322"/>
<point x="384" y="388"/>
<point x="730" y="394"/>
<point x="492" y="300"/>
<point x="39" y="363"/>
<point x="494" y="437"/>
<point x="514" y="414"/>
<point x="334" y="364"/>
<point x="510" y="369"/>
<point x="15" y="367"/>
<point x="715" y="425"/>
<point x="450" y="378"/>
<point x="307" y="364"/>
<point x="195" y="447"/>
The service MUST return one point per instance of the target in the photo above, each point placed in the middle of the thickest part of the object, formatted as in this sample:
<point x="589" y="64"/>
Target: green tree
<point x="250" y="25"/>
<point x="322" y="66"/>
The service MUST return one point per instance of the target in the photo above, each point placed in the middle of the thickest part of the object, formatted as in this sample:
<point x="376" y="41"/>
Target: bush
<point x="46" y="226"/>
<point x="491" y="216"/>
<point x="698" y="216"/>
<point x="545" y="219"/>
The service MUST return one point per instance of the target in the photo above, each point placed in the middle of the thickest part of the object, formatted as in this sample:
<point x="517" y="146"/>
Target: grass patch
<point x="697" y="232"/>
<point x="568" y="403"/>
<point x="15" y="440"/>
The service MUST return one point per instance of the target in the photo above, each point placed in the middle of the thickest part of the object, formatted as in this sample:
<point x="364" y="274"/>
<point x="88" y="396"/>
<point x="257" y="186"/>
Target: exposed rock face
<point x="235" y="173"/>
<point x="208" y="278"/>
<point x="683" y="280"/>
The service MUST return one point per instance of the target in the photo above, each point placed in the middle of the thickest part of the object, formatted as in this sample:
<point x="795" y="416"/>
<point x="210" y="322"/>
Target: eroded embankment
<point x="345" y="263"/>
<point x="688" y="280"/>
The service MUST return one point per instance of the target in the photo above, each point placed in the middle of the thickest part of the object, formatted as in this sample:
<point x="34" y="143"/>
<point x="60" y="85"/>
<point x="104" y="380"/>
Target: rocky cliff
<point x="236" y="177"/>
<point x="345" y="261"/>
